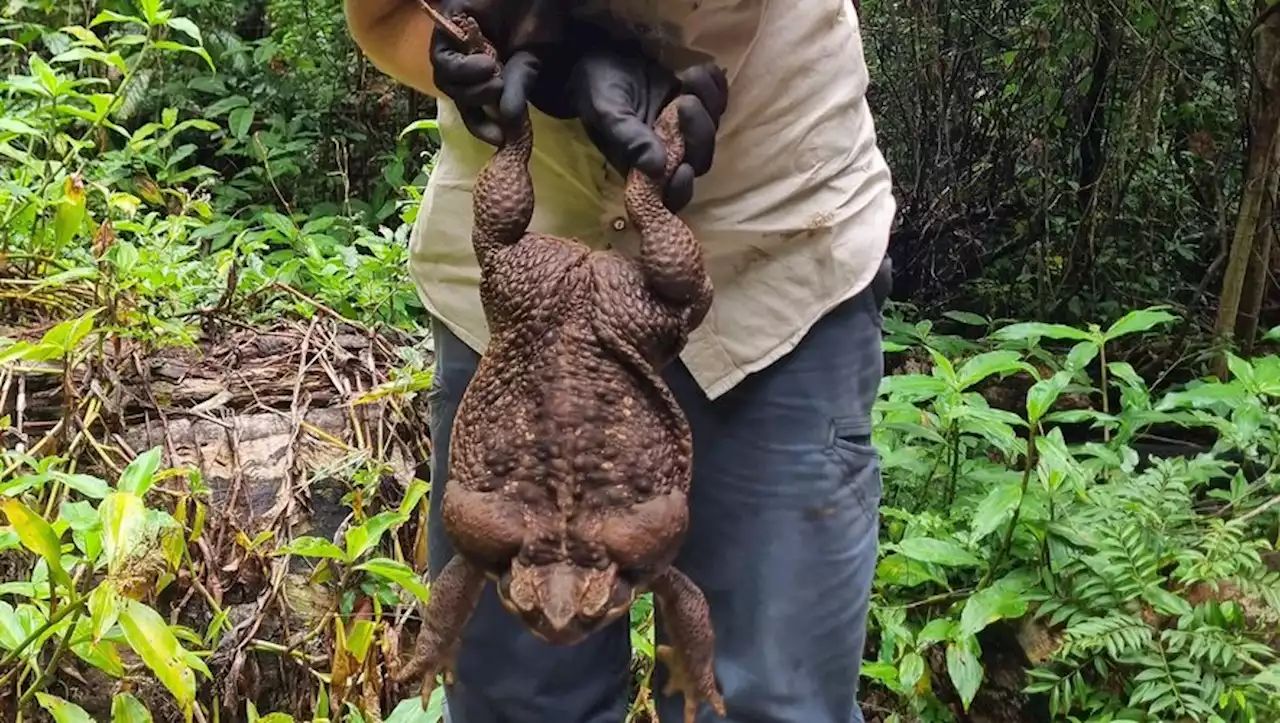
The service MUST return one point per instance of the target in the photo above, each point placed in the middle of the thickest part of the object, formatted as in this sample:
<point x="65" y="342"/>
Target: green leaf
<point x="240" y="120"/>
<point x="362" y="538"/>
<point x="431" y="125"/>
<point x="966" y="317"/>
<point x="1032" y="329"/>
<point x="1001" y="601"/>
<point x="12" y="631"/>
<point x="911" y="669"/>
<point x="313" y="547"/>
<point x="410" y="710"/>
<point x="936" y="631"/>
<point x="417" y="489"/>
<point x="68" y="335"/>
<point x="151" y="11"/>
<point x="124" y="519"/>
<point x="63" y="711"/>
<point x="984" y="365"/>
<point x="153" y="641"/>
<point x="127" y="709"/>
<point x="37" y="536"/>
<point x="104" y="608"/>
<point x="1081" y="356"/>
<point x="937" y="552"/>
<point x="912" y="387"/>
<point x="1138" y="321"/>
<point x="1042" y="395"/>
<point x="399" y="573"/>
<point x="965" y="669"/>
<point x="139" y="475"/>
<point x="184" y="25"/>
<point x="87" y="485"/>
<point x="995" y="508"/>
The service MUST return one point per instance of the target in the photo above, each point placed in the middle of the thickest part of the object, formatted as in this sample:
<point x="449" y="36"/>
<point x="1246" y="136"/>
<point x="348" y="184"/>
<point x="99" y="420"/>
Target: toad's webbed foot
<point x="454" y="595"/>
<point x="690" y="657"/>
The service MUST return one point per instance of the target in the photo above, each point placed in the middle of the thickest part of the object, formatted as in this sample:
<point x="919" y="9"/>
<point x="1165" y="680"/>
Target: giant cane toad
<point x="570" y="458"/>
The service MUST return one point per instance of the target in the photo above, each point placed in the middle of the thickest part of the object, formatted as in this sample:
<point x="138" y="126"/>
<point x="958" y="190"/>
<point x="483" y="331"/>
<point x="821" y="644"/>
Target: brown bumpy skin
<point x="570" y="458"/>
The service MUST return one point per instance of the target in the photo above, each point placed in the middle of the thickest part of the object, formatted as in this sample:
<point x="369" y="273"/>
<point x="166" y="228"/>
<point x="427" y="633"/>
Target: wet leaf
<point x="995" y="508"/>
<point x="127" y="709"/>
<point x="63" y="711"/>
<point x="124" y="519"/>
<point x="153" y="641"/>
<point x="1003" y="600"/>
<point x="313" y="547"/>
<point x="1138" y="321"/>
<point x="965" y="669"/>
<point x="988" y="364"/>
<point x="937" y="552"/>
<point x="37" y="536"/>
<point x="139" y="475"/>
<point x="399" y="573"/>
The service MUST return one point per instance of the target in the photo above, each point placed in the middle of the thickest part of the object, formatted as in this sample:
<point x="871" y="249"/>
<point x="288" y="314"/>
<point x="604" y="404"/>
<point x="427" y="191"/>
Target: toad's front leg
<point x="690" y="657"/>
<point x="454" y="595"/>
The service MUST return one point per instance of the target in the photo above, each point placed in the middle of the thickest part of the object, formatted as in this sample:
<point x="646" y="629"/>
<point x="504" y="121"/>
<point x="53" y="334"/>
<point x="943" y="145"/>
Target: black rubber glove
<point x="530" y="37"/>
<point x="618" y="95"/>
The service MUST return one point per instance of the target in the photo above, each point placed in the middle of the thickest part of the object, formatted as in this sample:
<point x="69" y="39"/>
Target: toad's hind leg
<point x="690" y="657"/>
<point x="454" y="595"/>
<point x="670" y="256"/>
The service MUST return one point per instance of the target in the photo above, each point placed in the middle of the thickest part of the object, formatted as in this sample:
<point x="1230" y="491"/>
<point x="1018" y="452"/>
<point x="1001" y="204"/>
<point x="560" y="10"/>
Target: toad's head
<point x="562" y="601"/>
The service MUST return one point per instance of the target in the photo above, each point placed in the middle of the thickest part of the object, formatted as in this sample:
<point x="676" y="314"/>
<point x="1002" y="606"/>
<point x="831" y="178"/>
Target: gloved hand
<point x="618" y="95"/>
<point x="530" y="37"/>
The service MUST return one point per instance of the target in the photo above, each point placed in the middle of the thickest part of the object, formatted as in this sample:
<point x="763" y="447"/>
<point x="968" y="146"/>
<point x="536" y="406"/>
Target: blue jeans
<point x="782" y="540"/>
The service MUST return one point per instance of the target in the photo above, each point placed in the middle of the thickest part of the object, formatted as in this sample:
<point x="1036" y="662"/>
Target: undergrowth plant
<point x="1136" y="585"/>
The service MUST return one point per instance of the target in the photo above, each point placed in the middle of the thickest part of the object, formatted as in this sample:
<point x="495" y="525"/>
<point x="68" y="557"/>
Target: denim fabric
<point x="782" y="540"/>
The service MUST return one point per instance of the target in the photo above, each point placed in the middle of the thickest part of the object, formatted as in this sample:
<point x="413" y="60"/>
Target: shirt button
<point x="619" y="223"/>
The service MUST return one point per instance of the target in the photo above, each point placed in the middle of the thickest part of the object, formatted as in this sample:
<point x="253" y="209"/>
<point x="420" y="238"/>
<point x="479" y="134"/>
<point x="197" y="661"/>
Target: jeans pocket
<point x="851" y="446"/>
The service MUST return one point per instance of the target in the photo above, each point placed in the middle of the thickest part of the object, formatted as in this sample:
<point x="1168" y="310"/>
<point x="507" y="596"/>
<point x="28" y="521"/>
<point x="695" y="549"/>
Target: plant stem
<point x="47" y="675"/>
<point x="1007" y="544"/>
<point x="1106" y="390"/>
<point x="71" y="607"/>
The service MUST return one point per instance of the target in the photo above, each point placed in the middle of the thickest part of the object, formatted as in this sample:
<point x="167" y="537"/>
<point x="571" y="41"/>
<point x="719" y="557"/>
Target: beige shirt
<point x="794" y="216"/>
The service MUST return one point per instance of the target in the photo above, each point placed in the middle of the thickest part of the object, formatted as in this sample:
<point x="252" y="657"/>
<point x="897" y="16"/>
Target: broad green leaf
<point x="139" y="475"/>
<point x="965" y="669"/>
<point x="937" y="552"/>
<point x="359" y="638"/>
<point x="1081" y="356"/>
<point x="410" y="710"/>
<point x="313" y="547"/>
<point x="1031" y="329"/>
<point x="151" y="11"/>
<point x="87" y="485"/>
<point x="153" y="641"/>
<point x="104" y="608"/>
<point x="1138" y="321"/>
<point x="898" y="570"/>
<point x="936" y="631"/>
<point x="431" y="125"/>
<point x="124" y="519"/>
<point x="127" y="709"/>
<point x="1241" y="369"/>
<point x="995" y="508"/>
<point x="362" y="538"/>
<point x="12" y="632"/>
<point x="1001" y="601"/>
<point x="37" y="536"/>
<point x="185" y="25"/>
<point x="911" y="669"/>
<point x="417" y="489"/>
<point x="68" y="335"/>
<point x="1042" y="395"/>
<point x="399" y="573"/>
<point x="990" y="363"/>
<point x="912" y="387"/>
<point x="63" y="711"/>
<point x="240" y="120"/>
<point x="942" y="367"/>
<point x="966" y="317"/>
